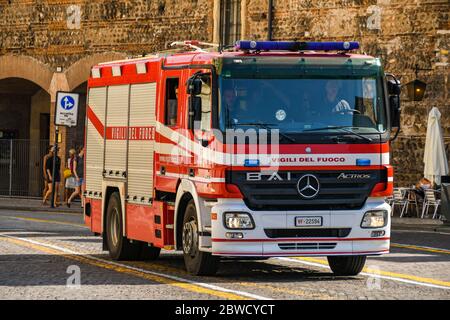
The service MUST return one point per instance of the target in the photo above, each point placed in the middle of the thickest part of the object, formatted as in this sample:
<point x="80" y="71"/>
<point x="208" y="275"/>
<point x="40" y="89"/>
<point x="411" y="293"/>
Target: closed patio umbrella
<point x="435" y="159"/>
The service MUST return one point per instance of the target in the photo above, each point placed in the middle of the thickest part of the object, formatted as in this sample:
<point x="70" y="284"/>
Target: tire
<point x="120" y="248"/>
<point x="149" y="253"/>
<point x="197" y="262"/>
<point x="346" y="265"/>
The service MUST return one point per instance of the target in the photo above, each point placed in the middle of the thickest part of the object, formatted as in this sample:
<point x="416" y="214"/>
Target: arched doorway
<point x="24" y="134"/>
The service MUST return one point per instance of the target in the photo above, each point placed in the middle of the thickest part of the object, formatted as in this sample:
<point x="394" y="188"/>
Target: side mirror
<point x="394" y="87"/>
<point x="195" y="110"/>
<point x="194" y="86"/>
<point x="394" y="104"/>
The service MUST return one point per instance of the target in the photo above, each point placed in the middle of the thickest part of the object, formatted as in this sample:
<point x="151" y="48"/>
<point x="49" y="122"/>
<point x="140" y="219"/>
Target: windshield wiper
<point x="343" y="128"/>
<point x="267" y="126"/>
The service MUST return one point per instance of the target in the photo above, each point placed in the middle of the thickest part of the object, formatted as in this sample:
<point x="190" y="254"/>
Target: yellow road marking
<point x="419" y="248"/>
<point x="315" y="260"/>
<point x="60" y="213"/>
<point x="386" y="273"/>
<point x="124" y="270"/>
<point x="48" y="221"/>
<point x="300" y="293"/>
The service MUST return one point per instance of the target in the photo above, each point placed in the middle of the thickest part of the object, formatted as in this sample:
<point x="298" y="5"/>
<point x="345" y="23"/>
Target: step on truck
<point x="268" y="149"/>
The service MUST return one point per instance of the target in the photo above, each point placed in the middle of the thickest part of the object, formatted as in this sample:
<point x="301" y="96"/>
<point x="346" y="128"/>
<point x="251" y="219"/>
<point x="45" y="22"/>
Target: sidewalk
<point x="24" y="204"/>
<point x="420" y="224"/>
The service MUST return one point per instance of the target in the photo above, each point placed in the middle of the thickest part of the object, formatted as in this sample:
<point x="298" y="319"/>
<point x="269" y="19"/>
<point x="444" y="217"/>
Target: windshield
<point x="304" y="104"/>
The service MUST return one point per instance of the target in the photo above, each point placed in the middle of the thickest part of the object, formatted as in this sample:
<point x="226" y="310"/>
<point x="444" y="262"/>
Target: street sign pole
<point x="66" y="114"/>
<point x="55" y="152"/>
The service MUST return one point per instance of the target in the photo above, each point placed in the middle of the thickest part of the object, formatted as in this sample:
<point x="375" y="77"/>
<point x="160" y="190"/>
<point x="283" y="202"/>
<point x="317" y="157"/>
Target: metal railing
<point x="21" y="163"/>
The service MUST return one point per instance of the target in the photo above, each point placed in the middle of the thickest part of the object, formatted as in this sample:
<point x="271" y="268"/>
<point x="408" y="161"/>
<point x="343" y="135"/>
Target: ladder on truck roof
<point x="177" y="47"/>
<point x="194" y="44"/>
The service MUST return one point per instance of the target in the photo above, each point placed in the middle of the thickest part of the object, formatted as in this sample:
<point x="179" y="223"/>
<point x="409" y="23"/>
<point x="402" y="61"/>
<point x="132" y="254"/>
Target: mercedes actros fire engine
<point x="268" y="149"/>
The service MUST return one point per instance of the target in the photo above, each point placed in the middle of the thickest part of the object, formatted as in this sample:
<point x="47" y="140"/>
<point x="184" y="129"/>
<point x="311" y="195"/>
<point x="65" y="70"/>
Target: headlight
<point x="374" y="219"/>
<point x="238" y="220"/>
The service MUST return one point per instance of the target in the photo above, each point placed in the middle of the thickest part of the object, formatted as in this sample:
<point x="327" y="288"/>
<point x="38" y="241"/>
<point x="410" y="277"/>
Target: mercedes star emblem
<point x="308" y="186"/>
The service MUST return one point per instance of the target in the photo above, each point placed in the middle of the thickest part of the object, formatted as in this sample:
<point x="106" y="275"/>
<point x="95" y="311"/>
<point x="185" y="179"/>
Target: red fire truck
<point x="264" y="150"/>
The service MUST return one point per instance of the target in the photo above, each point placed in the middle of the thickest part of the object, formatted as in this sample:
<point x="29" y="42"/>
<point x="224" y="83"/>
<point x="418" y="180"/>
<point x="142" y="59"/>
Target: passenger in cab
<point x="332" y="101"/>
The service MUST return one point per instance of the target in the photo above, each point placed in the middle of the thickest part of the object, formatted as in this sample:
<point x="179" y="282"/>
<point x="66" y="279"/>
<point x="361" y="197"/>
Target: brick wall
<point x="60" y="32"/>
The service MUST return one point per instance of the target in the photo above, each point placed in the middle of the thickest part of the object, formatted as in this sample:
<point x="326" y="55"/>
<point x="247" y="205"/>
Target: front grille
<point x="306" y="246"/>
<point x="335" y="194"/>
<point x="308" y="233"/>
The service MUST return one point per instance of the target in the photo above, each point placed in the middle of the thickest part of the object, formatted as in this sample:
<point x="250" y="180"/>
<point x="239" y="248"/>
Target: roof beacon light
<point x="296" y="46"/>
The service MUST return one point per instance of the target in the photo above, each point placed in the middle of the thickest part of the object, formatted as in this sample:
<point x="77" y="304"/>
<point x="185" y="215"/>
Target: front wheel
<point x="346" y="265"/>
<point x="197" y="262"/>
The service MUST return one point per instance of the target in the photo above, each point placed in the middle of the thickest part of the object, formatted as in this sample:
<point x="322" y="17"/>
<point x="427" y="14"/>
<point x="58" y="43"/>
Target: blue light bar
<point x="295" y="46"/>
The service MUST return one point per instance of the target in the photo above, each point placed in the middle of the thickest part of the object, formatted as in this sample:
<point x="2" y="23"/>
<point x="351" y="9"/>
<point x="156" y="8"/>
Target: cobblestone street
<point x="40" y="253"/>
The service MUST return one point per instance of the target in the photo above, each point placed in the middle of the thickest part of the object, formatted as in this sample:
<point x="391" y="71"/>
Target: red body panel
<point x="94" y="222"/>
<point x="145" y="223"/>
<point x="140" y="222"/>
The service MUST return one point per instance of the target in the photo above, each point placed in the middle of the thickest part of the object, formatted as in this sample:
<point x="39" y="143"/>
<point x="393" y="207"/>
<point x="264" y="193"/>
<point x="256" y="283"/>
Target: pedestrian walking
<point x="70" y="183"/>
<point x="56" y="178"/>
<point x="44" y="171"/>
<point x="79" y="175"/>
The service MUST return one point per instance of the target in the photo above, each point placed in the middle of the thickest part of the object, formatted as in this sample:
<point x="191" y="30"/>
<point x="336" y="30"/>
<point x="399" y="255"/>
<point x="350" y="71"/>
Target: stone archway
<point x="25" y="99"/>
<point x="27" y="68"/>
<point x="24" y="136"/>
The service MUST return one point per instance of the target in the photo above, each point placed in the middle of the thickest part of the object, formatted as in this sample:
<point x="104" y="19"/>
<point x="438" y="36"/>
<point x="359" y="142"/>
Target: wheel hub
<point x="190" y="238"/>
<point x="114" y="227"/>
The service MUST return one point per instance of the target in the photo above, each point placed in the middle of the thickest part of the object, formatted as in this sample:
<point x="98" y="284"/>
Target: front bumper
<point x="256" y="243"/>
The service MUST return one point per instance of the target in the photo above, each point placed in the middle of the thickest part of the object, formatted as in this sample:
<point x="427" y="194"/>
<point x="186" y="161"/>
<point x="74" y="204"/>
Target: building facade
<point x="50" y="46"/>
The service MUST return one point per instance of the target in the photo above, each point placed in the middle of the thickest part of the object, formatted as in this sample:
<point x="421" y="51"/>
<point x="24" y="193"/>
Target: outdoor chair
<point x="430" y="200"/>
<point x="411" y="200"/>
<point x="399" y="199"/>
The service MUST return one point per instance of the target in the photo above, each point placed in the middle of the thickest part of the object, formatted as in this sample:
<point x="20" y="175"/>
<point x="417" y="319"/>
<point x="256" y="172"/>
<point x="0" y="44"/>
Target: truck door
<point x="168" y="160"/>
<point x="199" y="125"/>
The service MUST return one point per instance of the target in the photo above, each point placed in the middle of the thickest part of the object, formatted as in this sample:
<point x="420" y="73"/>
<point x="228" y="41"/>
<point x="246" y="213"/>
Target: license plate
<point x="308" y="221"/>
